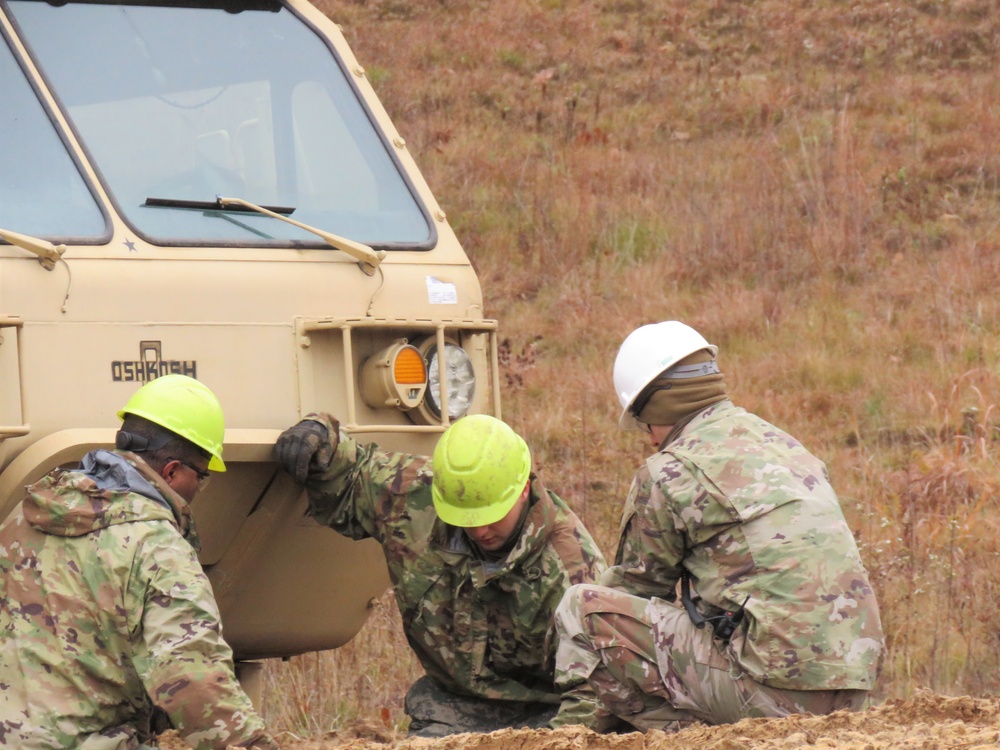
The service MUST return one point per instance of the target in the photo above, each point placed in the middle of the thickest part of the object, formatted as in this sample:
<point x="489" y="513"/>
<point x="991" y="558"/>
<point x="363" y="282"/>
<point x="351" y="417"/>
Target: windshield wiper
<point x="368" y="259"/>
<point x="210" y="206"/>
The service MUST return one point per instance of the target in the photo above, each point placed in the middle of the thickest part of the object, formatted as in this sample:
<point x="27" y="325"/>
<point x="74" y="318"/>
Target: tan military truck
<point x="213" y="188"/>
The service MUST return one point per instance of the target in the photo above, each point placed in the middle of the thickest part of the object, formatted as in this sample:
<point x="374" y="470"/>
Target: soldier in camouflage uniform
<point x="777" y="614"/>
<point x="479" y="554"/>
<point x="109" y="631"/>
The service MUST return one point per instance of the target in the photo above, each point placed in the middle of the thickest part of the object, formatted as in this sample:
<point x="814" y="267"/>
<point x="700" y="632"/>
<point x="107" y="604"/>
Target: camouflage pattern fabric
<point x="479" y="627"/>
<point x="654" y="669"/>
<point x="750" y="515"/>
<point x="436" y="712"/>
<point x="108" y="620"/>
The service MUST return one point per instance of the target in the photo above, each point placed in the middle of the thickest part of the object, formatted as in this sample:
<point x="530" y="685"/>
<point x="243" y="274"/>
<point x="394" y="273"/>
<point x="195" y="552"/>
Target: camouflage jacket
<point x="746" y="511"/>
<point x="107" y="619"/>
<point x="478" y="627"/>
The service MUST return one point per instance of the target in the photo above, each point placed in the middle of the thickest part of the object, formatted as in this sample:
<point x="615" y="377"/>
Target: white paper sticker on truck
<point x="440" y="292"/>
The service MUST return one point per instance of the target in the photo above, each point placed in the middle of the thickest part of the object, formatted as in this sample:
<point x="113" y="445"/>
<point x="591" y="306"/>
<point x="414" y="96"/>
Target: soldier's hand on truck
<point x="301" y="446"/>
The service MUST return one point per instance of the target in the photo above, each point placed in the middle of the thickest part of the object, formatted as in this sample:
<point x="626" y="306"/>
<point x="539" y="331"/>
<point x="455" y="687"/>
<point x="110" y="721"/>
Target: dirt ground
<point x="926" y="722"/>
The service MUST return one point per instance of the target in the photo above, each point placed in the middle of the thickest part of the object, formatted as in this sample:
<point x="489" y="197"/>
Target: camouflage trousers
<point x="437" y="712"/>
<point x="651" y="667"/>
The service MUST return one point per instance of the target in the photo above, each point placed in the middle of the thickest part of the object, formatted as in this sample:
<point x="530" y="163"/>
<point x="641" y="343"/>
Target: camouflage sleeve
<point x="579" y="705"/>
<point x="574" y="545"/>
<point x="651" y="544"/>
<point x="184" y="663"/>
<point x="364" y="488"/>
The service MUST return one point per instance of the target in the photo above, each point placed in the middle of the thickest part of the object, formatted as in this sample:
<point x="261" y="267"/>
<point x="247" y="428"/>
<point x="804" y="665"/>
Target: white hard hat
<point x="645" y="353"/>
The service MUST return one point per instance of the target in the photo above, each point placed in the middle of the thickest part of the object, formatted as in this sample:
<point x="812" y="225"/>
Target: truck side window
<point x="41" y="191"/>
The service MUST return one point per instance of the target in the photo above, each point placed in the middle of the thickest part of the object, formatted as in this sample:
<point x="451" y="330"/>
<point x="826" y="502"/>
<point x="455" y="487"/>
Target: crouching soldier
<point x="109" y="630"/>
<point x="479" y="553"/>
<point x="777" y="615"/>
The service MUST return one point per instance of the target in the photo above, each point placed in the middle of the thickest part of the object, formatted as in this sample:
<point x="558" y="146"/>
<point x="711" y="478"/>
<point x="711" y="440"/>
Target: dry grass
<point x="812" y="185"/>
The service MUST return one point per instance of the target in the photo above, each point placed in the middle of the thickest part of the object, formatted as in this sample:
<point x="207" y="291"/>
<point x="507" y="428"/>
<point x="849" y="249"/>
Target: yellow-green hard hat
<point x="187" y="408"/>
<point x="480" y="468"/>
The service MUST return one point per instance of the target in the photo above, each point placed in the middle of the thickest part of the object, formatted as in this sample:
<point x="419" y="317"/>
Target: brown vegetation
<point x="812" y="185"/>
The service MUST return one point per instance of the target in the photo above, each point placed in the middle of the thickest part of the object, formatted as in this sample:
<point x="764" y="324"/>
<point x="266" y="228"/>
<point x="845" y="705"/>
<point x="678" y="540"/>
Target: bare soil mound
<point x="924" y="721"/>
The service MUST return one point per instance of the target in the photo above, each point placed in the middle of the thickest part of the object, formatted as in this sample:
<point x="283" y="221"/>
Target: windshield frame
<point x="165" y="241"/>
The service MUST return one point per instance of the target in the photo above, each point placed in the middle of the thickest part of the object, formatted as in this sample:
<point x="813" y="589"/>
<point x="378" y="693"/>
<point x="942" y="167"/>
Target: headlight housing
<point x="395" y="376"/>
<point x="460" y="379"/>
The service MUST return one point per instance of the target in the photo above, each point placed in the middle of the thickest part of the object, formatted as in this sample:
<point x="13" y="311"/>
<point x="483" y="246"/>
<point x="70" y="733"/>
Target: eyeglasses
<point x="203" y="476"/>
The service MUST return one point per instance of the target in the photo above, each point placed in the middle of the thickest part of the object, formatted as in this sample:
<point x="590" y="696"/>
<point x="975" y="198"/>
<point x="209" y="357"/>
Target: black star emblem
<point x="131" y="246"/>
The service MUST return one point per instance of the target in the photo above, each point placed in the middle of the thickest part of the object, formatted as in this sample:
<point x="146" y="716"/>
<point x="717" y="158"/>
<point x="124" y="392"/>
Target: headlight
<point x="460" y="380"/>
<point x="394" y="377"/>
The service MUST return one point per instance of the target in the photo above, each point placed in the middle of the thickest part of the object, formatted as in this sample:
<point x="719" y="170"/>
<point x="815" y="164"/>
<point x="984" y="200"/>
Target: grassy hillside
<point x="814" y="186"/>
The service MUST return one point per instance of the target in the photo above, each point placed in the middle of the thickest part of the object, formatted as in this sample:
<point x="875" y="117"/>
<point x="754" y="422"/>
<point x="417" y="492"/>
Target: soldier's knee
<point x="572" y="609"/>
<point x="566" y="615"/>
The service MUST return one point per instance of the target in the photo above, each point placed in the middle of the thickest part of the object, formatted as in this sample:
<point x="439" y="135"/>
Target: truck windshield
<point x="41" y="191"/>
<point x="189" y="103"/>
